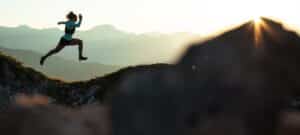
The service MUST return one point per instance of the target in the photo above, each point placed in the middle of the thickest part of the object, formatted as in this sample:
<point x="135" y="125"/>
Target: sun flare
<point x="257" y="19"/>
<point x="257" y="30"/>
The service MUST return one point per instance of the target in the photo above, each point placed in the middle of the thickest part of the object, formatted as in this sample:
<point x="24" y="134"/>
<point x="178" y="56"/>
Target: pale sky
<point x="198" y="16"/>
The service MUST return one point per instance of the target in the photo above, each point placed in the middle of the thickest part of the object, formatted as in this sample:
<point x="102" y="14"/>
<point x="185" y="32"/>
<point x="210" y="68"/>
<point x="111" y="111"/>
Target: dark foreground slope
<point x="15" y="78"/>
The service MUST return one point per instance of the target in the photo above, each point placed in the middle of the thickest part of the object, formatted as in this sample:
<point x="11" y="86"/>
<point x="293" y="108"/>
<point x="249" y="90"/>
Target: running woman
<point x="67" y="39"/>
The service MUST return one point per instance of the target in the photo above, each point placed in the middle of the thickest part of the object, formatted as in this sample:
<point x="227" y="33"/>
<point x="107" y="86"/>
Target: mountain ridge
<point x="60" y="67"/>
<point x="116" y="47"/>
<point x="18" y="79"/>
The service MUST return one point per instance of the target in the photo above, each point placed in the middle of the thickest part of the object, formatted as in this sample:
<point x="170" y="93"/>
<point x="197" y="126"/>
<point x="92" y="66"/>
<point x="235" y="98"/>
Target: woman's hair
<point x="71" y="16"/>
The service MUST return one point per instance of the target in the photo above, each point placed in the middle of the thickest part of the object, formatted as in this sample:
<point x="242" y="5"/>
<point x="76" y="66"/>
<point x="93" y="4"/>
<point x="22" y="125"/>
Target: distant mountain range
<point x="57" y="67"/>
<point x="103" y="44"/>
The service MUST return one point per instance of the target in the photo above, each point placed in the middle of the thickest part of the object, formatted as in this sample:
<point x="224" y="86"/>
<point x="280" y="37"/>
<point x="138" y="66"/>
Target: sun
<point x="257" y="19"/>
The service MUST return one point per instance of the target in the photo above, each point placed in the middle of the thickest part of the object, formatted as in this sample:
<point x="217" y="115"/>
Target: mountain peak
<point x="252" y="39"/>
<point x="259" y="32"/>
<point x="105" y="27"/>
<point x="24" y="27"/>
<point x="265" y="20"/>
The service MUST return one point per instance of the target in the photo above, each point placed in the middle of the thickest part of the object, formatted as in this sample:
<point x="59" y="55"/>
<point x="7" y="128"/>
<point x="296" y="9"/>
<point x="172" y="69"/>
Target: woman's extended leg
<point x="80" y="48"/>
<point x="58" y="48"/>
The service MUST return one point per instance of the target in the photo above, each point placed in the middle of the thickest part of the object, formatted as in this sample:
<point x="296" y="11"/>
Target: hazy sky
<point x="200" y="16"/>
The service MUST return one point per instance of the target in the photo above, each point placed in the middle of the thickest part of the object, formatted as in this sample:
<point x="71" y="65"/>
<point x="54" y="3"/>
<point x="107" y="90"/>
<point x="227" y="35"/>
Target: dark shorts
<point x="64" y="42"/>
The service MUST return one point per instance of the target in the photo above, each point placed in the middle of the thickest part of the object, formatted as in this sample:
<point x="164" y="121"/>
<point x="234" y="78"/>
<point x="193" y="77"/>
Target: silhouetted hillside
<point x="17" y="79"/>
<point x="58" y="67"/>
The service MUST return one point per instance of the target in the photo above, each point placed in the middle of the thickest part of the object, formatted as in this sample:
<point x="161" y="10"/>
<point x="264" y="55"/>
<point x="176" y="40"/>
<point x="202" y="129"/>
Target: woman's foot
<point x="42" y="60"/>
<point x="82" y="58"/>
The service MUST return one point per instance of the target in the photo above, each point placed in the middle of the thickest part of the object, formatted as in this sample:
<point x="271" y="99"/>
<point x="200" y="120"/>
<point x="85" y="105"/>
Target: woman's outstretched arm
<point x="61" y="22"/>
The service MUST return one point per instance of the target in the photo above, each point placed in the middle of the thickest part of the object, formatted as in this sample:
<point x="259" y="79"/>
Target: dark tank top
<point x="70" y="30"/>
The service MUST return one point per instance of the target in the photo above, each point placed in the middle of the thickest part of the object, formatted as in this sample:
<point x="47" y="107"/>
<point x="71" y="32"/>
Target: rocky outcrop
<point x="236" y="83"/>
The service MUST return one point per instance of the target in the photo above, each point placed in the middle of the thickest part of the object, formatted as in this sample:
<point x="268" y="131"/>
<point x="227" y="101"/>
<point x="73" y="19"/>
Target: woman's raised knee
<point x="80" y="42"/>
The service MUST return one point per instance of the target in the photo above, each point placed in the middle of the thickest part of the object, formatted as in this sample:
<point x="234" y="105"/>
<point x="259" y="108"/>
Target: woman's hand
<point x="80" y="17"/>
<point x="61" y="22"/>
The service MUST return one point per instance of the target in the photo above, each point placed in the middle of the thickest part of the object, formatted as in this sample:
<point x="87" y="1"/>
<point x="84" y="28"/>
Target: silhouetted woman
<point x="67" y="39"/>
